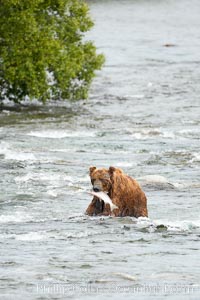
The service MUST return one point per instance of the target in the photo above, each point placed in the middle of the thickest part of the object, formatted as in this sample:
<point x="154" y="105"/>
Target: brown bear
<point x="124" y="191"/>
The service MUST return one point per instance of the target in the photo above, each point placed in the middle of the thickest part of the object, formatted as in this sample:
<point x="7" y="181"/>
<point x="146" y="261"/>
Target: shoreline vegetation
<point x="43" y="54"/>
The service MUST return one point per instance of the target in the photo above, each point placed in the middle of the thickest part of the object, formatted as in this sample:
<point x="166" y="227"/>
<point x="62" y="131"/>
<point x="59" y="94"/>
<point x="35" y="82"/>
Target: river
<point x="143" y="116"/>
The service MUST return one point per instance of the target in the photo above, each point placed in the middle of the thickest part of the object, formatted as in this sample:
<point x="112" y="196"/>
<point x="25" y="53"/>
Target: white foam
<point x="31" y="236"/>
<point x="152" y="133"/>
<point x="3" y="147"/>
<point x="138" y="136"/>
<point x="6" y="112"/>
<point x="52" y="193"/>
<point x="158" y="180"/>
<point x="16" y="217"/>
<point x="65" y="150"/>
<point x="81" y="234"/>
<point x="196" y="157"/>
<point x="168" y="134"/>
<point x="150" y="84"/>
<point x="59" y="134"/>
<point x="79" y="216"/>
<point x="183" y="225"/>
<point x="153" y="179"/>
<point x="176" y="226"/>
<point x="84" y="179"/>
<point x="190" y="131"/>
<point x="124" y="164"/>
<point x="24" y="178"/>
<point x="137" y="96"/>
<point x="11" y="155"/>
<point x="43" y="177"/>
<point x="146" y="134"/>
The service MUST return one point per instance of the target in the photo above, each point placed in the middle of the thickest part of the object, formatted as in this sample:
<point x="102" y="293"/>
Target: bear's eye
<point x="92" y="181"/>
<point x="104" y="180"/>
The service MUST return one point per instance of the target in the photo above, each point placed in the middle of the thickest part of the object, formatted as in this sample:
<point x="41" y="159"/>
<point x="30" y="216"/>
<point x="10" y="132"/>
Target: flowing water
<point x="142" y="116"/>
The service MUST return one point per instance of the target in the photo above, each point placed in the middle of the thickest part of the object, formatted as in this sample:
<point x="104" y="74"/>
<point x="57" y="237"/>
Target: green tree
<point x="43" y="54"/>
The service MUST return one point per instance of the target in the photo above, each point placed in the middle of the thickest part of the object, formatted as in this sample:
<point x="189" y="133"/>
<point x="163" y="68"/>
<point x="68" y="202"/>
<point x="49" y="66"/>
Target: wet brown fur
<point x="124" y="191"/>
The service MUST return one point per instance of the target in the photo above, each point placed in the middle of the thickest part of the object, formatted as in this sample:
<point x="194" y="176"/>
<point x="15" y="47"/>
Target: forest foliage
<point x="43" y="52"/>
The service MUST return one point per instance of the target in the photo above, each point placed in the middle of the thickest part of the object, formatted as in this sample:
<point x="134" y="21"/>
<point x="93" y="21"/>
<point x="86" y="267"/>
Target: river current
<point x="142" y="116"/>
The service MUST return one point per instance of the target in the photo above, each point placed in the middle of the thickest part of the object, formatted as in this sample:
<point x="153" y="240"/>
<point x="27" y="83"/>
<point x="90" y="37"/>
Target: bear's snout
<point x="97" y="185"/>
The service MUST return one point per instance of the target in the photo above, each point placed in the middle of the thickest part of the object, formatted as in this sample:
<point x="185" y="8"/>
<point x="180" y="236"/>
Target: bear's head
<point x="103" y="179"/>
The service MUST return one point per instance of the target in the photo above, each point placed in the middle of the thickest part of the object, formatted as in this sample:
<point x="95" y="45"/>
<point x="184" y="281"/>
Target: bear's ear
<point x="91" y="169"/>
<point x="111" y="170"/>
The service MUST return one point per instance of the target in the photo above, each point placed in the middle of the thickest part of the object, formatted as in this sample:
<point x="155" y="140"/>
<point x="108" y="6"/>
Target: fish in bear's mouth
<point x="103" y="198"/>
